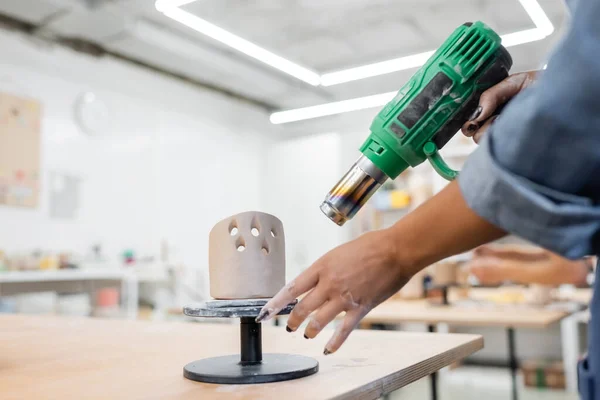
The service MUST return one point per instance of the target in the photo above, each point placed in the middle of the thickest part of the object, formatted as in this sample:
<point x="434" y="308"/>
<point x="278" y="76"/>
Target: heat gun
<point x="425" y="114"/>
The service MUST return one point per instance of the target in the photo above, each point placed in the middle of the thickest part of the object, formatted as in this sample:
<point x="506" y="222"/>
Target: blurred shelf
<point x="391" y="200"/>
<point x="70" y="281"/>
<point x="63" y="275"/>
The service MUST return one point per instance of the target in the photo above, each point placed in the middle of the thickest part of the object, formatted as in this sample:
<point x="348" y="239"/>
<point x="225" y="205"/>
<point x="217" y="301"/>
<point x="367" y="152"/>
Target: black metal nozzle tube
<point x="353" y="191"/>
<point x="251" y="341"/>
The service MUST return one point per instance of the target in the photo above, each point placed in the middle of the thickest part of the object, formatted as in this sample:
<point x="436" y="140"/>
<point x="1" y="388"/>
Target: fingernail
<point x="287" y="328"/>
<point x="263" y="314"/>
<point x="476" y="113"/>
<point x="326" y="352"/>
<point x="306" y="337"/>
<point x="472" y="127"/>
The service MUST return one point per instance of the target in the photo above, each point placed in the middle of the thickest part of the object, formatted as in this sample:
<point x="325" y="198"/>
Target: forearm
<point x="551" y="273"/>
<point x="441" y="227"/>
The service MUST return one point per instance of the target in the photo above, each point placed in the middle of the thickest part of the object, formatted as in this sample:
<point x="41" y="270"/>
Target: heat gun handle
<point x="437" y="162"/>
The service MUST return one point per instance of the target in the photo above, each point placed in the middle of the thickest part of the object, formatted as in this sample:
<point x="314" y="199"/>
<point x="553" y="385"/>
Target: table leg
<point x="569" y="333"/>
<point x="512" y="360"/>
<point x="433" y="377"/>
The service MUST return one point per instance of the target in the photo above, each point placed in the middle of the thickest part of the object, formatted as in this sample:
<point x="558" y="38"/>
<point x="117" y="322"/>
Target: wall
<point x="301" y="171"/>
<point x="174" y="160"/>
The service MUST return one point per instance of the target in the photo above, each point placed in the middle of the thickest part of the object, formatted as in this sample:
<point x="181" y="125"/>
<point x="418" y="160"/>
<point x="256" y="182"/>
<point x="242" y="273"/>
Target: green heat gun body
<point x="425" y="114"/>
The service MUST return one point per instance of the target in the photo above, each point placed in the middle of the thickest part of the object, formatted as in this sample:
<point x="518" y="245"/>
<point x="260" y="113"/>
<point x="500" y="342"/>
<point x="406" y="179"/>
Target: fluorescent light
<point x="380" y="68"/>
<point x="337" y="107"/>
<point x="162" y="5"/>
<point x="242" y="45"/>
<point x="538" y="16"/>
<point x="171" y="9"/>
<point x="543" y="28"/>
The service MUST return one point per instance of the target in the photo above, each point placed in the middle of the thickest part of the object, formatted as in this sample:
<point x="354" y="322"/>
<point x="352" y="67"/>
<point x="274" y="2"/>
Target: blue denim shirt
<point x="536" y="173"/>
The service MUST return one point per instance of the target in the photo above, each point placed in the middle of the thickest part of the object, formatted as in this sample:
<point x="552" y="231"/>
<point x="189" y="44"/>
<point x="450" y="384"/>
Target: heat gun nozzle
<point x="352" y="192"/>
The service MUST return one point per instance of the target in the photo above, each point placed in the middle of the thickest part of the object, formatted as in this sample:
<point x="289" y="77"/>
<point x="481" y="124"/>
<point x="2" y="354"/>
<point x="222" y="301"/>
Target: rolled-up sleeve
<point x="536" y="174"/>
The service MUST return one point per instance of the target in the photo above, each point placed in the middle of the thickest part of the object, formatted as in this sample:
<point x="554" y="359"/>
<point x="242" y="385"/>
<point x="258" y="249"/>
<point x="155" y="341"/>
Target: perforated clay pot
<point x="247" y="256"/>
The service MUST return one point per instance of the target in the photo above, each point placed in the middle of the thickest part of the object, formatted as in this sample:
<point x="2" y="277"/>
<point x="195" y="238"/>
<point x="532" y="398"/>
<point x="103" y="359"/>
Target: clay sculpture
<point x="247" y="256"/>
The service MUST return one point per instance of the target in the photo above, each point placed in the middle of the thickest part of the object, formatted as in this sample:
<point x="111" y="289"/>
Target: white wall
<point x="175" y="160"/>
<point x="301" y="172"/>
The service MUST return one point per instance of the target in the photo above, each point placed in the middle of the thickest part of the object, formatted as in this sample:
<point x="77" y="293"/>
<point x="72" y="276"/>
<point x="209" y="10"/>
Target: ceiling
<point x="322" y="35"/>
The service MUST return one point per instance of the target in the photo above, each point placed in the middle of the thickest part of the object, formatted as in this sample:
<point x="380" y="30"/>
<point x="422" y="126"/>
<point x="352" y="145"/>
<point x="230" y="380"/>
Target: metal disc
<point x="224" y="309"/>
<point x="228" y="370"/>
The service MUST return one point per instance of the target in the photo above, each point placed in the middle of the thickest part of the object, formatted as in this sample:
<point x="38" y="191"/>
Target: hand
<point x="359" y="275"/>
<point x="354" y="278"/>
<point x="493" y="98"/>
<point x="525" y="265"/>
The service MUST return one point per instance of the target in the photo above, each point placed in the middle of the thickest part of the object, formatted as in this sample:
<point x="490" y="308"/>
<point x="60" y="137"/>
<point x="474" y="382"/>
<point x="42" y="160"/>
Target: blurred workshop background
<point x="128" y="128"/>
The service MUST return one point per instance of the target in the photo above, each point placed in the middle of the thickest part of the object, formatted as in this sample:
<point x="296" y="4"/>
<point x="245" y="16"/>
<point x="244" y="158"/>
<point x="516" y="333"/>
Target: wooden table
<point x="54" y="357"/>
<point x="397" y="311"/>
<point x="510" y="318"/>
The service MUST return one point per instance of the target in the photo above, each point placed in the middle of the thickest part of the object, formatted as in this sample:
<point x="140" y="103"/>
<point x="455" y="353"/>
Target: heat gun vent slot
<point x="470" y="49"/>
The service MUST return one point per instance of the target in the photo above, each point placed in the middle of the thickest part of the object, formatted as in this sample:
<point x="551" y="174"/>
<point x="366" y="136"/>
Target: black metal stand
<point x="512" y="361"/>
<point x="251" y="365"/>
<point x="250" y="341"/>
<point x="434" y="376"/>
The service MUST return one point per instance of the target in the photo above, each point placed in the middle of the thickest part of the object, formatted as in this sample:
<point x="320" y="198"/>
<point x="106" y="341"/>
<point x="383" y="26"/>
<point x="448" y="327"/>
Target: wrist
<point x="404" y="254"/>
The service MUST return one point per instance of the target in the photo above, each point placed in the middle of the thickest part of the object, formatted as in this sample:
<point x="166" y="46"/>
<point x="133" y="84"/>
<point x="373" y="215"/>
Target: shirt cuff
<point x="561" y="222"/>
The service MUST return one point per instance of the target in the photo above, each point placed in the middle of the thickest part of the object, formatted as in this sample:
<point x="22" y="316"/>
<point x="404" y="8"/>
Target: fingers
<point x="315" y="299"/>
<point x="495" y="97"/>
<point x="302" y="284"/>
<point x="324" y="316"/>
<point x="481" y="131"/>
<point x="344" y="329"/>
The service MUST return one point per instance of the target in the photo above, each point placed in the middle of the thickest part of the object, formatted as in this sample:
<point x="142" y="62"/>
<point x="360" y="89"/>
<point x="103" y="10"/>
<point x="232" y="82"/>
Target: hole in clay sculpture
<point x="273" y="233"/>
<point x="240" y="244"/>
<point x="265" y="249"/>
<point x="233" y="229"/>
<point x="255" y="226"/>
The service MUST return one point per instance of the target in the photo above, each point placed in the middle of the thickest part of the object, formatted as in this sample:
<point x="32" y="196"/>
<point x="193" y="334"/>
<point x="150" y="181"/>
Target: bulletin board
<point x="19" y="151"/>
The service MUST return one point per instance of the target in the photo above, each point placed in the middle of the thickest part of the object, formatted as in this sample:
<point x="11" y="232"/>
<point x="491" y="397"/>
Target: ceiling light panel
<point x="240" y="44"/>
<point x="337" y="107"/>
<point x="543" y="28"/>
<point x="171" y="9"/>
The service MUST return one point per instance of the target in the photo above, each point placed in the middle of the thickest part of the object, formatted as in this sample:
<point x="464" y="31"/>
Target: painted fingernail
<point x="472" y="128"/>
<point x="476" y="113"/>
<point x="287" y="328"/>
<point x="263" y="314"/>
<point x="306" y="337"/>
<point x="326" y="352"/>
